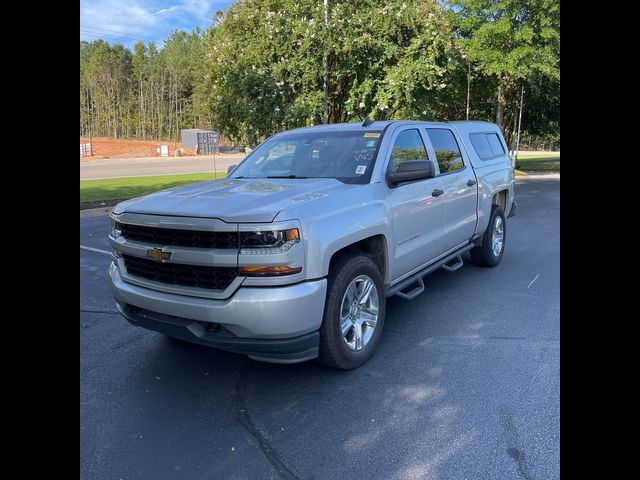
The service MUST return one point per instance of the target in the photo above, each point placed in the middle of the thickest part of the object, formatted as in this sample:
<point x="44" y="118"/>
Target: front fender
<point x="332" y="223"/>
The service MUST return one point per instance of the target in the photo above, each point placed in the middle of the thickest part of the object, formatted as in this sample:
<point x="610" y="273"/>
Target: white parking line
<point x="97" y="250"/>
<point x="534" y="279"/>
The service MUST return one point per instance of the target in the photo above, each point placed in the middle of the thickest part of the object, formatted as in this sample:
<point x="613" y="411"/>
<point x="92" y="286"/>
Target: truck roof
<point x="382" y="124"/>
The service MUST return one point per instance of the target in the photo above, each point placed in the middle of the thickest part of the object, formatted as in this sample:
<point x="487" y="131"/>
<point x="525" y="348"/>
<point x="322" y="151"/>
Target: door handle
<point x="471" y="182"/>
<point x="437" y="192"/>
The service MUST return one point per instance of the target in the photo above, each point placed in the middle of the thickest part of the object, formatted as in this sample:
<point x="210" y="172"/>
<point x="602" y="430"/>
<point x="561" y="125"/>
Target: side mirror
<point x="231" y="168"/>
<point x="412" y="170"/>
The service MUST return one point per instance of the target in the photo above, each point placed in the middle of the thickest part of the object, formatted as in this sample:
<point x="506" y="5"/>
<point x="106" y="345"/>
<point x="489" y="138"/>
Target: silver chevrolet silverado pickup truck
<point x="292" y="256"/>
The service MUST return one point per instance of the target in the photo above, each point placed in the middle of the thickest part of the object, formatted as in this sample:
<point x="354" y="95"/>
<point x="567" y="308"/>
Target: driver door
<point x="417" y="208"/>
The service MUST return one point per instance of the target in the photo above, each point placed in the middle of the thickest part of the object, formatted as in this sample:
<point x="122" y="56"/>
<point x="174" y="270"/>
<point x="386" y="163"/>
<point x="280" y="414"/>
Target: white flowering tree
<point x="387" y="59"/>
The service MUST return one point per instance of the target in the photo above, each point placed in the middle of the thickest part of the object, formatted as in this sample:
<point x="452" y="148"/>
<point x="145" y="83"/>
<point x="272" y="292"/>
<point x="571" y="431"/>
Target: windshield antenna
<point x="367" y="121"/>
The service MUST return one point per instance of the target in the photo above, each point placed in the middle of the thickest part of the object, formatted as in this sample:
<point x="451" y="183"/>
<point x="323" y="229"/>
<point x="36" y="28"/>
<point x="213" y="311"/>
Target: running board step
<point x="416" y="279"/>
<point x="413" y="293"/>
<point x="456" y="266"/>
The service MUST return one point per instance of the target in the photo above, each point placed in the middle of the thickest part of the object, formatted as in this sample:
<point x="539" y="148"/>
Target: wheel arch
<point x="374" y="247"/>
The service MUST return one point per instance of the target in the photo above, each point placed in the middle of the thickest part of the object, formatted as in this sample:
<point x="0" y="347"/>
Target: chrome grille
<point x="198" y="276"/>
<point x="177" y="237"/>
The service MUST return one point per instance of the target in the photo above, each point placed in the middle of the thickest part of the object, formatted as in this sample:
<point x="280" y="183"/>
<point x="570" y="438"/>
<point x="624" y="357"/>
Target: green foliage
<point x="257" y="84"/>
<point x="512" y="37"/>
<point x="259" y="69"/>
<point x="400" y="154"/>
<point x="518" y="43"/>
<point x="104" y="82"/>
<point x="149" y="93"/>
<point x="388" y="61"/>
<point x="448" y="160"/>
<point x="541" y="115"/>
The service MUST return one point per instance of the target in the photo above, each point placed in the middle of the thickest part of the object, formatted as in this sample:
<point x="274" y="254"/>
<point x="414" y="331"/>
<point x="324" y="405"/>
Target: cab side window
<point x="487" y="145"/>
<point x="496" y="146"/>
<point x="447" y="150"/>
<point x="407" y="146"/>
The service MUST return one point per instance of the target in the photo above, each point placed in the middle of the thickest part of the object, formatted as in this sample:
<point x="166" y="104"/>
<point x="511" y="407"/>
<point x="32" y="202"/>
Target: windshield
<point x="347" y="156"/>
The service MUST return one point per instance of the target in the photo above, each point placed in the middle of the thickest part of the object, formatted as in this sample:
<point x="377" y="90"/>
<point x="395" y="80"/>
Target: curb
<point x="539" y="175"/>
<point x="95" y="212"/>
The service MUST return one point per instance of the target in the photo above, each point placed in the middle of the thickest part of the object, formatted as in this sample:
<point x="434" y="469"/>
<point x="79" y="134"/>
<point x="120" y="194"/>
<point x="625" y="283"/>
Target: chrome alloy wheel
<point x="359" y="312"/>
<point x="497" y="237"/>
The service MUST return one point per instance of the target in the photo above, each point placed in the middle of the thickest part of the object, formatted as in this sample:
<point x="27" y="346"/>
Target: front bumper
<point x="251" y="314"/>
<point x="287" y="350"/>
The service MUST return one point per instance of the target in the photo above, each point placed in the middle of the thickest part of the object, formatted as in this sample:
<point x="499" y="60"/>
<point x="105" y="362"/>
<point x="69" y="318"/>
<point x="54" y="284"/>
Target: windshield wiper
<point x="285" y="176"/>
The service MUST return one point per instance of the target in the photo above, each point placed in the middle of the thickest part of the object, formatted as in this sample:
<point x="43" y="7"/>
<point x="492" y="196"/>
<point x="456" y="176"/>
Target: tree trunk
<point x="161" y="107"/>
<point x="129" y="116"/>
<point x="501" y="102"/>
<point x="177" y="122"/>
<point x="170" y="106"/>
<point x="141" y="112"/>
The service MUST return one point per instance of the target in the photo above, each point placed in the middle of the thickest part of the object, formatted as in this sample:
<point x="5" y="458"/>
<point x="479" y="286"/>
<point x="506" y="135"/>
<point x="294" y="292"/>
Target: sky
<point x="128" y="21"/>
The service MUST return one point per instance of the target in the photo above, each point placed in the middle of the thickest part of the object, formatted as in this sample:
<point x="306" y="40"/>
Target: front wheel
<point x="490" y="252"/>
<point x="354" y="313"/>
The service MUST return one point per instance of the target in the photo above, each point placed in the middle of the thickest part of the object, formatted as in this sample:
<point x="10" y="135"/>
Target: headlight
<point x="268" y="241"/>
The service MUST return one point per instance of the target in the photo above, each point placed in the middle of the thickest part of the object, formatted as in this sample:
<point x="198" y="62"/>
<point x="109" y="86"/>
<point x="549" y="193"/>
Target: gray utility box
<point x="204" y="142"/>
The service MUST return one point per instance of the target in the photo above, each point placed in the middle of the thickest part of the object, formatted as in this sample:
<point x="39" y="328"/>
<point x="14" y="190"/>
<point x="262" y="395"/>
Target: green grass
<point x="130" y="187"/>
<point x="549" y="163"/>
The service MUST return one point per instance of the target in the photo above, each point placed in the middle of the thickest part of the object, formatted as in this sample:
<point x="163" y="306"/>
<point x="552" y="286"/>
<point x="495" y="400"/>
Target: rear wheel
<point x="490" y="252"/>
<point x="354" y="313"/>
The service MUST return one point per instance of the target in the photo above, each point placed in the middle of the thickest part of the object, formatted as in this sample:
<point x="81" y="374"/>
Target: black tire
<point x="483" y="254"/>
<point x="333" y="347"/>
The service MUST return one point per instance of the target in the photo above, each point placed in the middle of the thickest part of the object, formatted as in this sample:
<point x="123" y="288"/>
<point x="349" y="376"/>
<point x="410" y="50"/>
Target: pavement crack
<point x="270" y="453"/>
<point x="514" y="448"/>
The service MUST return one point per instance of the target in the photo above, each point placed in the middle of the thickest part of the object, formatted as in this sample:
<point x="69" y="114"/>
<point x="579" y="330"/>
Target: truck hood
<point x="233" y="200"/>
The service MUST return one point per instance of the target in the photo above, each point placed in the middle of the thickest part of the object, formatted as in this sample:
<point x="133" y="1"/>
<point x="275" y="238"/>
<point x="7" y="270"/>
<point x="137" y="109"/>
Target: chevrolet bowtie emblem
<point x="158" y="255"/>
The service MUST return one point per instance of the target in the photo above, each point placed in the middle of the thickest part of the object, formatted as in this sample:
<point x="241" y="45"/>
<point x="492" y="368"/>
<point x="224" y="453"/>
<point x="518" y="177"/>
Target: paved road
<point x="151" y="166"/>
<point x="465" y="384"/>
<point x="142" y="167"/>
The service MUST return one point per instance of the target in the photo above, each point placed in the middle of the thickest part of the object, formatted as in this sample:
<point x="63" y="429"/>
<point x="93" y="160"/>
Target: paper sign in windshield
<point x="361" y="169"/>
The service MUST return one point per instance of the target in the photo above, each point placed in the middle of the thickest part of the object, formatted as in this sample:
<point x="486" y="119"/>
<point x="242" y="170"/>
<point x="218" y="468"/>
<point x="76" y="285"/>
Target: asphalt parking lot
<point x="465" y="384"/>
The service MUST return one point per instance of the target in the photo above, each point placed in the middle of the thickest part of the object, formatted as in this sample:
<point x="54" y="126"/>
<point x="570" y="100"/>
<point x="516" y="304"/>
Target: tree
<point x="104" y="77"/>
<point x="385" y="61"/>
<point x="511" y="40"/>
<point x="259" y="69"/>
<point x="145" y="94"/>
